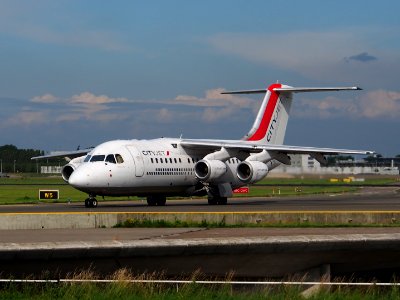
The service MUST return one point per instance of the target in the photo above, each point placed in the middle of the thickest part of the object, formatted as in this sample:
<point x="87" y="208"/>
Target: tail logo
<point x="267" y="119"/>
<point x="274" y="122"/>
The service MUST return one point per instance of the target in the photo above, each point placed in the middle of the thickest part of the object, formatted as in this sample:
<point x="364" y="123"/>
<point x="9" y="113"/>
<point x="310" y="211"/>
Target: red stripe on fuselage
<point x="269" y="111"/>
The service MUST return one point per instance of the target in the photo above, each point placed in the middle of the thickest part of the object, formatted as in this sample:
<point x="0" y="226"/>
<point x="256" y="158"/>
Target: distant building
<point x="50" y="169"/>
<point x="304" y="164"/>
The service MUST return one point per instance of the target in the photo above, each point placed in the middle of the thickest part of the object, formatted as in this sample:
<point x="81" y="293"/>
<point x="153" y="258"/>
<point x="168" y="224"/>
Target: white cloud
<point x="370" y="105"/>
<point x="89" y="98"/>
<point x="380" y="103"/>
<point x="46" y="98"/>
<point x="213" y="115"/>
<point x="212" y="108"/>
<point x="214" y="98"/>
<point x="25" y="118"/>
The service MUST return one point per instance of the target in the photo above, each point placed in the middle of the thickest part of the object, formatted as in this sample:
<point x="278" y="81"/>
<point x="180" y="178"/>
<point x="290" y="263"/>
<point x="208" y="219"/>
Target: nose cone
<point x="79" y="179"/>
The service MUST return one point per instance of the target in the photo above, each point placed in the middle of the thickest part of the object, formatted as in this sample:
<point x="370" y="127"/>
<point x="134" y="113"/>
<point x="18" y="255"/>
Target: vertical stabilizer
<point x="270" y="124"/>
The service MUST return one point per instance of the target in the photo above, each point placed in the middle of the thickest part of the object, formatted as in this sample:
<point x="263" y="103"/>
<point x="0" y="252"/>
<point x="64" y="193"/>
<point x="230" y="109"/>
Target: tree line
<point x="13" y="159"/>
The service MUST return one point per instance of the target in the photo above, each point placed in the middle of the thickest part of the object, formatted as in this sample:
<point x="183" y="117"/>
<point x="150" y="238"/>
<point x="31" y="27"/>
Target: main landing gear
<point x="156" y="200"/>
<point x="217" y="194"/>
<point x="91" y="202"/>
<point x="217" y="200"/>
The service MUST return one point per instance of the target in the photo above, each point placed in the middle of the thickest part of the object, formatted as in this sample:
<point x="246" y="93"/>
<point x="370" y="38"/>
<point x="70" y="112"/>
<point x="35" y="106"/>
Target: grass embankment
<point x="25" y="189"/>
<point x="125" y="285"/>
<point x="121" y="289"/>
<point x="189" y="291"/>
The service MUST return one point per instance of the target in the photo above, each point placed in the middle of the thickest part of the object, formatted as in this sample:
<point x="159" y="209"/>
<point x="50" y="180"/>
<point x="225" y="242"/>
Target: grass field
<point x="25" y="189"/>
<point x="194" y="291"/>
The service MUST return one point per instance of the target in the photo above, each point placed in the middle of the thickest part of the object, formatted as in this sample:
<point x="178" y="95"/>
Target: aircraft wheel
<point x="94" y="203"/>
<point x="91" y="202"/>
<point x="151" y="201"/>
<point x="161" y="201"/>
<point x="212" y="201"/>
<point x="222" y="201"/>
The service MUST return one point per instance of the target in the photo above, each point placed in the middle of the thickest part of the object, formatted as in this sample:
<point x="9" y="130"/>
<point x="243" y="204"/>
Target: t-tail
<point x="270" y="124"/>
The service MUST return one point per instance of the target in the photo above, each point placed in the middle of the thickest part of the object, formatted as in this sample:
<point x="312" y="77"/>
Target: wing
<point x="276" y="150"/>
<point x="69" y="154"/>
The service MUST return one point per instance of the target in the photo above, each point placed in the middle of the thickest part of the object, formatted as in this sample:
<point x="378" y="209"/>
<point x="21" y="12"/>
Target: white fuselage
<point x="159" y="166"/>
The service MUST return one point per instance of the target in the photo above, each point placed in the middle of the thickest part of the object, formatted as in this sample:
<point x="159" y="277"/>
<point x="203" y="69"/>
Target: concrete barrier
<point x="261" y="257"/>
<point x="100" y="219"/>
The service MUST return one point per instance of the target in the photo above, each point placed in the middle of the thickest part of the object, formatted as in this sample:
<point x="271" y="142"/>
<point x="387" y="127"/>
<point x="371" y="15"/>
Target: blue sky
<point x="83" y="72"/>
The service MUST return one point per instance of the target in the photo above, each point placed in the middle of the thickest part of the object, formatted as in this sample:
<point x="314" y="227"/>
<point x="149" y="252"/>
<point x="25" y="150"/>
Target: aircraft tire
<point x="87" y="203"/>
<point x="212" y="201"/>
<point x="161" y="201"/>
<point x="94" y="203"/>
<point x="222" y="201"/>
<point x="151" y="201"/>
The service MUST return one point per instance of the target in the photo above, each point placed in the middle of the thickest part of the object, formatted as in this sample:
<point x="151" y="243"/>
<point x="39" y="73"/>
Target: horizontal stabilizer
<point x="316" y="89"/>
<point x="297" y="90"/>
<point x="246" y="92"/>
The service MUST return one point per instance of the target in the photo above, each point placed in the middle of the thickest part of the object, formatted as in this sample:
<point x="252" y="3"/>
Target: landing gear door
<point x="138" y="159"/>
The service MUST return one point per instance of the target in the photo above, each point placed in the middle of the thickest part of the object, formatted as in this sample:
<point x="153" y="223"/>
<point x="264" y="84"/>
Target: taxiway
<point x="366" y="199"/>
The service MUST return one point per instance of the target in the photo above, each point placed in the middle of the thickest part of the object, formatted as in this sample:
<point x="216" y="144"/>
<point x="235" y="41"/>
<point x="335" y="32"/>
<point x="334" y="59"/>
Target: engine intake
<point x="69" y="168"/>
<point x="209" y="170"/>
<point x="66" y="171"/>
<point x="251" y="171"/>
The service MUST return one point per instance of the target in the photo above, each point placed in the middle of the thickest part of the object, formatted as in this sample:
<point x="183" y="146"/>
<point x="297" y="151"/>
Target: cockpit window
<point x="110" y="158"/>
<point x="119" y="158"/>
<point x="97" y="158"/>
<point x="87" y="158"/>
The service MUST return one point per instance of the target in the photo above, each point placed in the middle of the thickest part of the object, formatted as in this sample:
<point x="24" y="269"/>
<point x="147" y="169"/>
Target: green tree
<point x="11" y="157"/>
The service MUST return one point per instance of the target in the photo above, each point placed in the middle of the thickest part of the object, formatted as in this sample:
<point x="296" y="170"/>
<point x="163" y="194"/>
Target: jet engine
<point x="209" y="170"/>
<point x="69" y="168"/>
<point x="251" y="171"/>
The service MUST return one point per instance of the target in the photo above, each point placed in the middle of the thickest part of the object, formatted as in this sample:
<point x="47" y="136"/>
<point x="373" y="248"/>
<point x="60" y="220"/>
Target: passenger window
<point x="87" y="158"/>
<point x="97" y="158"/>
<point x="119" y="158"/>
<point x="110" y="158"/>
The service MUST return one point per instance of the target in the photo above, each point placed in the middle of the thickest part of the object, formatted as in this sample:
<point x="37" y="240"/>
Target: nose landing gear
<point x="91" y="201"/>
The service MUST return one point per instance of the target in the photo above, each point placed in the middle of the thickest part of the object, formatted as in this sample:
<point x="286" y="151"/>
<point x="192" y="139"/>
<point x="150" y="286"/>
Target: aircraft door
<point x="138" y="159"/>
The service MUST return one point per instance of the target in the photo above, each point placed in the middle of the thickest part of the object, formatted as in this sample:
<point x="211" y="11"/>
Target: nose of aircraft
<point x="78" y="178"/>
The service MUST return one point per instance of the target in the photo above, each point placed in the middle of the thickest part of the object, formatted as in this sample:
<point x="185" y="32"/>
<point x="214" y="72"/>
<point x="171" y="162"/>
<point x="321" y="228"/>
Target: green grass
<point x="326" y="180"/>
<point x="18" y="193"/>
<point x="276" y="190"/>
<point x="193" y="291"/>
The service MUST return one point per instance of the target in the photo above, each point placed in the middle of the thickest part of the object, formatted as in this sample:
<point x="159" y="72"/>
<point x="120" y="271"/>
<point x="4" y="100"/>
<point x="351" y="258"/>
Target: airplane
<point x="165" y="167"/>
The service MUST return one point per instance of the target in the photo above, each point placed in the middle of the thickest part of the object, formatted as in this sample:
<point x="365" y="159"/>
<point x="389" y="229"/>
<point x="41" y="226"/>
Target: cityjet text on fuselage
<point x="155" y="153"/>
